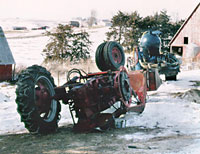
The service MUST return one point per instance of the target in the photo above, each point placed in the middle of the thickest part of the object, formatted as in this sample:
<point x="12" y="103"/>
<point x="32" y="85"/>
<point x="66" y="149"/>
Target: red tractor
<point x="88" y="95"/>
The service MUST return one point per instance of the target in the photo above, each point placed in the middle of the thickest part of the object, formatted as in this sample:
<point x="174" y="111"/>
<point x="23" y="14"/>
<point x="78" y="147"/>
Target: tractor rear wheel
<point x="38" y="111"/>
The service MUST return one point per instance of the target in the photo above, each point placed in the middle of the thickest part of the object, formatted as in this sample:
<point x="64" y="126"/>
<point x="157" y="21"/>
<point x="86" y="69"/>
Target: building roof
<point x="183" y="25"/>
<point x="6" y="56"/>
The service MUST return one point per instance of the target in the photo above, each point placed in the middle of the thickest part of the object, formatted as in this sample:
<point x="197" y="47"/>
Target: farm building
<point x="6" y="59"/>
<point x="186" y="42"/>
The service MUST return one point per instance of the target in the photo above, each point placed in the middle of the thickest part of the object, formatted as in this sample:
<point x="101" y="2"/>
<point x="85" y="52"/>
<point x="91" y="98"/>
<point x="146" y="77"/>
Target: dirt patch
<point x="109" y="142"/>
<point x="64" y="141"/>
<point x="192" y="95"/>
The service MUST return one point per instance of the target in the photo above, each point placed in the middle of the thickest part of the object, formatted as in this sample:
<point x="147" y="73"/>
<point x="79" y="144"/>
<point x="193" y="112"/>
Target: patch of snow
<point x="167" y="113"/>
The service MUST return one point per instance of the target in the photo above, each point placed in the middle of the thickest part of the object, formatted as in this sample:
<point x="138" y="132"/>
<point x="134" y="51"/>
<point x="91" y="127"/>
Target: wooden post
<point x="58" y="78"/>
<point x="13" y="73"/>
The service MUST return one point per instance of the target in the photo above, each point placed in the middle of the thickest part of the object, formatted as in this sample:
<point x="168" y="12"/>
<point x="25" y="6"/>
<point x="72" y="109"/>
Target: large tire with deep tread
<point x="114" y="56"/>
<point x="26" y="101"/>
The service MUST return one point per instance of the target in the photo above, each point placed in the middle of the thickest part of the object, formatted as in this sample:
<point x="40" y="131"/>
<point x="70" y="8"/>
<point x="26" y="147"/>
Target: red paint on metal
<point x="97" y="73"/>
<point x="153" y="80"/>
<point x="99" y="93"/>
<point x="90" y="99"/>
<point x="116" y="54"/>
<point x="43" y="99"/>
<point x="5" y="72"/>
<point x="138" y="83"/>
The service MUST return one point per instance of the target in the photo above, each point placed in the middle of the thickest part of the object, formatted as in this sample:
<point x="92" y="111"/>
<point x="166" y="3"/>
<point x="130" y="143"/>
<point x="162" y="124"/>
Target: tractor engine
<point x="100" y="92"/>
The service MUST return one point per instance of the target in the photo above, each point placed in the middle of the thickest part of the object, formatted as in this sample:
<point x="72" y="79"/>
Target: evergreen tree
<point x="66" y="44"/>
<point x="127" y="29"/>
<point x="133" y="32"/>
<point x="118" y="28"/>
<point x="80" y="46"/>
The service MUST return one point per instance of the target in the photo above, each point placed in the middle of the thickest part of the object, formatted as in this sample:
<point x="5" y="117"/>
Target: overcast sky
<point x="66" y="9"/>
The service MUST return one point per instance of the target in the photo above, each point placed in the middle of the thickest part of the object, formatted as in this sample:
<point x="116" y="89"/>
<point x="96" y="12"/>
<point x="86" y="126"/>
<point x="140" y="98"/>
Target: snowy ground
<point x="165" y="114"/>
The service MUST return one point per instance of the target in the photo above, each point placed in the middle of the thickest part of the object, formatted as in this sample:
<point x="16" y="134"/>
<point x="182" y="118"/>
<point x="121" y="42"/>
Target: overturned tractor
<point x="88" y="95"/>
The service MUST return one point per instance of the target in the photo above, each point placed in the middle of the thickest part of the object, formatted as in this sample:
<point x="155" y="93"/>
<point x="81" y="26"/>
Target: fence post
<point x="58" y="78"/>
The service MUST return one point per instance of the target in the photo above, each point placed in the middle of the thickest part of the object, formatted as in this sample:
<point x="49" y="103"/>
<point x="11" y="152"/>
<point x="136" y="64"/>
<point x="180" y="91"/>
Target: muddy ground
<point x="65" y="141"/>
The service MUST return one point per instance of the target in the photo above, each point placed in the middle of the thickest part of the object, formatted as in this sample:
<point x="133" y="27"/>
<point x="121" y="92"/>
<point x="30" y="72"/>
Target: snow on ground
<point x="168" y="115"/>
<point x="28" y="51"/>
<point x="8" y="23"/>
<point x="27" y="45"/>
<point x="164" y="113"/>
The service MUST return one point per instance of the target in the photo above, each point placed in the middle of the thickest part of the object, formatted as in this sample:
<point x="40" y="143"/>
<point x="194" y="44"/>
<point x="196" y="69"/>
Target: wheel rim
<point x="125" y="86"/>
<point x="44" y="90"/>
<point x="116" y="55"/>
<point x="123" y="83"/>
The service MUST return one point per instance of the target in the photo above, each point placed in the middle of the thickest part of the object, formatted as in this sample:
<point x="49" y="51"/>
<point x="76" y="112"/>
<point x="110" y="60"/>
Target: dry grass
<point x="63" y="142"/>
<point x="63" y="67"/>
<point x="192" y="95"/>
<point x="59" y="70"/>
